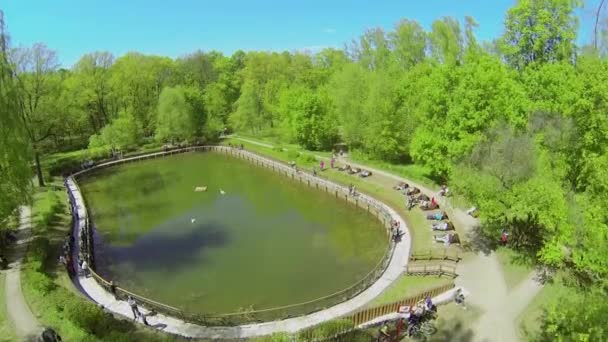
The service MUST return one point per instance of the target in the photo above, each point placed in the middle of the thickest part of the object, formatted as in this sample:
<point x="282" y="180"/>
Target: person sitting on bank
<point x="365" y="173"/>
<point x="437" y="216"/>
<point x="441" y="226"/>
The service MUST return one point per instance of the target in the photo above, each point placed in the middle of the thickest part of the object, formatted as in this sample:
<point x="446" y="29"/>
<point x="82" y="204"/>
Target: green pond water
<point x="268" y="241"/>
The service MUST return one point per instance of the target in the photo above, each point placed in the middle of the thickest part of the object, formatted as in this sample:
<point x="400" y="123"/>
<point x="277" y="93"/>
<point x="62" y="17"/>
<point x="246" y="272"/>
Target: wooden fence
<point x="432" y="269"/>
<point x="435" y="255"/>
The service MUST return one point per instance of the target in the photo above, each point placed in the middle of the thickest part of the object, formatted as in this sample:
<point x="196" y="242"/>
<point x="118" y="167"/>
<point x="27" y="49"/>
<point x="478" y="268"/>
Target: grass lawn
<point x="515" y="269"/>
<point x="7" y="332"/>
<point x="407" y="286"/>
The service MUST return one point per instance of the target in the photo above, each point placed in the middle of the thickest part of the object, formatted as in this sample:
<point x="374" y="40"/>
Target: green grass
<point x="407" y="286"/>
<point x="7" y="332"/>
<point x="515" y="269"/>
<point x="529" y="320"/>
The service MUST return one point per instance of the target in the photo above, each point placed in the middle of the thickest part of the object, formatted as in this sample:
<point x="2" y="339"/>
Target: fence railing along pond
<point x="363" y="201"/>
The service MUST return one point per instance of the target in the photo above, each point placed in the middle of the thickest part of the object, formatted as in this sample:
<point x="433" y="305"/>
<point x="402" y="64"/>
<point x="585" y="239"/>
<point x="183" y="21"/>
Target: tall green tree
<point x="91" y="90"/>
<point x="175" y="120"/>
<point x="122" y="132"/>
<point x="35" y="67"/>
<point x="15" y="151"/>
<point x="409" y="42"/>
<point x="540" y="31"/>
<point x="446" y="40"/>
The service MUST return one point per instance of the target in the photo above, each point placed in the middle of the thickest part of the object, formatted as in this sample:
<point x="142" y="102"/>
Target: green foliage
<point x="121" y="133"/>
<point x="540" y="31"/>
<point x="176" y="119"/>
<point x="59" y="163"/>
<point x="326" y="330"/>
<point x="306" y="114"/>
<point x="306" y="158"/>
<point x="576" y="316"/>
<point x="292" y="154"/>
<point x="15" y="151"/>
<point x="276" y="337"/>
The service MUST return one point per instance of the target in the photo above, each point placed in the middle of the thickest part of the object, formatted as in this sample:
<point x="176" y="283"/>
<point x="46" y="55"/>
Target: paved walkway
<point x="24" y="321"/>
<point x="100" y="295"/>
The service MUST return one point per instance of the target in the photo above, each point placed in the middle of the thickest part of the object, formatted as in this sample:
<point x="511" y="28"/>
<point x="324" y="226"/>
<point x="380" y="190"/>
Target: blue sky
<point x="175" y="28"/>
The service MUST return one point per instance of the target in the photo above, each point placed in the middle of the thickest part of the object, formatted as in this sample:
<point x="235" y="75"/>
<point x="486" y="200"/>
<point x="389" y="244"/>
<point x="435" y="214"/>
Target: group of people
<point x="84" y="254"/>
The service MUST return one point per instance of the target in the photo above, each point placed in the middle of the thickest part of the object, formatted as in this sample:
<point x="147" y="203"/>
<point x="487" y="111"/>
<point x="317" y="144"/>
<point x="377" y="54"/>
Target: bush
<point x="307" y="158"/>
<point x="38" y="280"/>
<point x="276" y="337"/>
<point x="60" y="163"/>
<point x="39" y="251"/>
<point x="93" y="319"/>
<point x="291" y="154"/>
<point x="326" y="330"/>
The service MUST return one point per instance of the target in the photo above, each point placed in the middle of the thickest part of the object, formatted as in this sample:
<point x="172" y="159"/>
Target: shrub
<point x="276" y="337"/>
<point x="307" y="158"/>
<point x="60" y="163"/>
<point x="326" y="330"/>
<point x="291" y="154"/>
<point x="39" y="281"/>
<point x="93" y="319"/>
<point x="39" y="251"/>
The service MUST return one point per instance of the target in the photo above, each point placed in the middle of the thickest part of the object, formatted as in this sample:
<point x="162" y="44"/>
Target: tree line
<point x="517" y="125"/>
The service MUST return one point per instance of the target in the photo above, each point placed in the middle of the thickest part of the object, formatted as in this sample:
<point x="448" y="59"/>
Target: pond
<point x="253" y="240"/>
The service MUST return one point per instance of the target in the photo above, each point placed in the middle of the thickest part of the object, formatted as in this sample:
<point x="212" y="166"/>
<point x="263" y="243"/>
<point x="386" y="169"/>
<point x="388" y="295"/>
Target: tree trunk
<point x="39" y="169"/>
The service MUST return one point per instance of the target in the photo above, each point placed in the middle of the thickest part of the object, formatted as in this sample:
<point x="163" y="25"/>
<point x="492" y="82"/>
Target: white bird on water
<point x="193" y="220"/>
<point x="222" y="192"/>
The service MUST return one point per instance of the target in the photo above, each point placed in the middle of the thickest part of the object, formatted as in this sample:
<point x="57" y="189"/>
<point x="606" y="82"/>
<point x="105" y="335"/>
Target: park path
<point x="24" y="321"/>
<point x="481" y="275"/>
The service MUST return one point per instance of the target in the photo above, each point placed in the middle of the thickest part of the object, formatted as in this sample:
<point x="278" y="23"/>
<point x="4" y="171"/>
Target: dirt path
<point x="24" y="321"/>
<point x="481" y="274"/>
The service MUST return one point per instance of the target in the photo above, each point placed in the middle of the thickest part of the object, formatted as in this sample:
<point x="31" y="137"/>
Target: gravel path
<point x="24" y="321"/>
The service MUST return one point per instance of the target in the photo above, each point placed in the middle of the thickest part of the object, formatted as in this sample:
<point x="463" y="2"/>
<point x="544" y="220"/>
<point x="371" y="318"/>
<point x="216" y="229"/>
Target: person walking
<point x="85" y="268"/>
<point x="133" y="304"/>
<point x="332" y="162"/>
